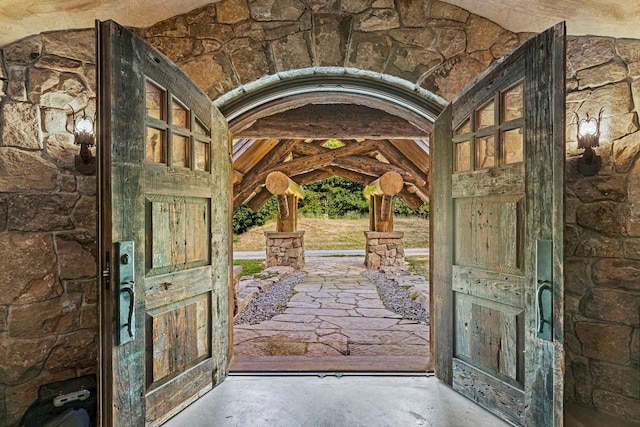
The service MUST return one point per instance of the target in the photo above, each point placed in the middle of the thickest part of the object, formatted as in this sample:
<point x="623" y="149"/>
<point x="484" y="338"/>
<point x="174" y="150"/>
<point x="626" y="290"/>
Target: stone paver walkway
<point x="335" y="312"/>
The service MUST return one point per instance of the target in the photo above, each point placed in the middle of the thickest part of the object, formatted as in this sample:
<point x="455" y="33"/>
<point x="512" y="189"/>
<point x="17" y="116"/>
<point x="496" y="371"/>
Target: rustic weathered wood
<point x="283" y="207"/>
<point x="488" y="391"/>
<point x="494" y="217"/>
<point x="313" y="162"/>
<point x="247" y="153"/>
<point x="331" y="121"/>
<point x="280" y="184"/>
<point x="389" y="184"/>
<point x="505" y="180"/>
<point x="261" y="197"/>
<point x="381" y="214"/>
<point x="364" y="177"/>
<point x="423" y="193"/>
<point x="258" y="173"/>
<point x="313" y="176"/>
<point x="366" y="165"/>
<point x="237" y="177"/>
<point x="162" y="289"/>
<point x="378" y="364"/>
<point x="489" y="285"/>
<point x="166" y="402"/>
<point x="442" y="219"/>
<point x="396" y="157"/>
<point x="411" y="199"/>
<point x="287" y="220"/>
<point x="414" y="151"/>
<point x="168" y="213"/>
<point x="545" y="157"/>
<point x="326" y="98"/>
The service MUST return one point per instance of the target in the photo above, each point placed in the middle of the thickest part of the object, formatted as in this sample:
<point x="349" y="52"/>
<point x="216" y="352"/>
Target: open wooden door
<point x="164" y="242"/>
<point x="498" y="158"/>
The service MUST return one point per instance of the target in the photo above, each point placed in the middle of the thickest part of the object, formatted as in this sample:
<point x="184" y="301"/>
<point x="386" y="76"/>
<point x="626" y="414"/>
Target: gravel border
<point x="270" y="301"/>
<point x="396" y="299"/>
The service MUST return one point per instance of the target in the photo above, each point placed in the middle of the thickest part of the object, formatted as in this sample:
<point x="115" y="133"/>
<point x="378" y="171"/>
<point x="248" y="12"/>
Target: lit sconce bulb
<point x="588" y="127"/>
<point x="588" y="134"/>
<point x="84" y="124"/>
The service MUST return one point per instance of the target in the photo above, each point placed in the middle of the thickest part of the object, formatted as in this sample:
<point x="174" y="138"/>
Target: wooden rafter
<point x="396" y="157"/>
<point x="253" y="178"/>
<point x="307" y="161"/>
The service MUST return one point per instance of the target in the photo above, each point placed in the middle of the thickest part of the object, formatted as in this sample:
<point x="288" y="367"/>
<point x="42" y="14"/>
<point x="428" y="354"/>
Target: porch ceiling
<point x="308" y="160"/>
<point x="616" y="18"/>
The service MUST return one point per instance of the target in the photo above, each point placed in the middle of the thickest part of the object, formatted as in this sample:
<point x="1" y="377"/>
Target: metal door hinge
<point x="106" y="272"/>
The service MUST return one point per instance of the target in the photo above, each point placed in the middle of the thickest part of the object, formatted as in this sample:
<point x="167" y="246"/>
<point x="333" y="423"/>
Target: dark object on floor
<point x="55" y="403"/>
<point x="71" y="418"/>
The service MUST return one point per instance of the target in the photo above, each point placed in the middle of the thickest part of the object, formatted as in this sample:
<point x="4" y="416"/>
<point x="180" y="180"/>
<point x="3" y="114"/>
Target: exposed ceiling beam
<point x="327" y="121"/>
<point x="363" y="164"/>
<point x="258" y="173"/>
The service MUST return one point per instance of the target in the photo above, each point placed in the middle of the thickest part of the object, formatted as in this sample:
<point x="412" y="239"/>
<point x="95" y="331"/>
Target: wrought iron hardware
<point x="126" y="295"/>
<point x="544" y="290"/>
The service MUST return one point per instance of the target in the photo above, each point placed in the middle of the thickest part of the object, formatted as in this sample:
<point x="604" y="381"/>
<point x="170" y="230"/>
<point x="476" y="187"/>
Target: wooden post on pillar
<point x="380" y="193"/>
<point x="288" y="193"/>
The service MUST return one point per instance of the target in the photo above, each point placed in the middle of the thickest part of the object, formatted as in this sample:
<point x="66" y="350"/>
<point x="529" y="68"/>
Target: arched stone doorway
<point x="383" y="107"/>
<point x="282" y="119"/>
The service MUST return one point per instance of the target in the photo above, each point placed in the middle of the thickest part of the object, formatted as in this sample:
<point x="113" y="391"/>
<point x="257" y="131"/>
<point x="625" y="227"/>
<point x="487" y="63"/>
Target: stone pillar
<point x="285" y="248"/>
<point x="384" y="249"/>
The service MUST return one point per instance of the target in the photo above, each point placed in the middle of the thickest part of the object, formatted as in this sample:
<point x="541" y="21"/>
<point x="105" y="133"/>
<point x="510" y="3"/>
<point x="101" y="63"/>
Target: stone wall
<point x="284" y="249"/>
<point x="383" y="249"/>
<point x="48" y="311"/>
<point x="47" y="222"/>
<point x="235" y="42"/>
<point x="602" y="230"/>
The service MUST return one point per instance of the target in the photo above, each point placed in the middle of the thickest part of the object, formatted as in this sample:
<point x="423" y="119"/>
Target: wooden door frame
<point x="105" y="293"/>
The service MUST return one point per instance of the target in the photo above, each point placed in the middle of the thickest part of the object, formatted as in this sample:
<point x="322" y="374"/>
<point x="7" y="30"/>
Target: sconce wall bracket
<point x="589" y="163"/>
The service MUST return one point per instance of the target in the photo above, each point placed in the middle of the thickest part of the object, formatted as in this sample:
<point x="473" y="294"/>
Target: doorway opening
<point x="324" y="304"/>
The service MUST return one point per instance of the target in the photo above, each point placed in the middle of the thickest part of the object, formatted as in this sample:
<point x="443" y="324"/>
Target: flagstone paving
<point x="335" y="311"/>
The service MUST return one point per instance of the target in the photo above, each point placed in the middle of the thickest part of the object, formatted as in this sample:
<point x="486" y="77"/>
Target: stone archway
<point x="232" y="44"/>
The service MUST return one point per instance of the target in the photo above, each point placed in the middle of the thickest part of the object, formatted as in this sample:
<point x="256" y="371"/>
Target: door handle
<point x="132" y="302"/>
<point x="544" y="290"/>
<point x="126" y="292"/>
<point x="544" y="319"/>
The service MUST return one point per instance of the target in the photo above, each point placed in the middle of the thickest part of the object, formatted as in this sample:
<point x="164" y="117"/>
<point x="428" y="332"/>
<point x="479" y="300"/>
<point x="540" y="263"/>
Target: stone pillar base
<point x="285" y="249"/>
<point x="384" y="249"/>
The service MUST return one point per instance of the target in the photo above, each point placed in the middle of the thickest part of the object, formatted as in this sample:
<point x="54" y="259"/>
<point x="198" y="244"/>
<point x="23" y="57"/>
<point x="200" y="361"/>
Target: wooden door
<point x="498" y="158"/>
<point x="164" y="221"/>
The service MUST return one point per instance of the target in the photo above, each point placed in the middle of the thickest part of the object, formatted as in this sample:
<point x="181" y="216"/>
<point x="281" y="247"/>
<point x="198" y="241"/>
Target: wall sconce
<point x="588" y="138"/>
<point x="85" y="136"/>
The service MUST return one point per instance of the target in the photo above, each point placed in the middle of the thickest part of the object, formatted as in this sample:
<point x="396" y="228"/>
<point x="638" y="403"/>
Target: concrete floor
<point x="348" y="401"/>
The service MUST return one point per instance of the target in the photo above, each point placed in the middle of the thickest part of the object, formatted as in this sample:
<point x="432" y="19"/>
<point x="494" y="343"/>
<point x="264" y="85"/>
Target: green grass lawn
<point x="419" y="264"/>
<point x="323" y="233"/>
<point x="249" y="266"/>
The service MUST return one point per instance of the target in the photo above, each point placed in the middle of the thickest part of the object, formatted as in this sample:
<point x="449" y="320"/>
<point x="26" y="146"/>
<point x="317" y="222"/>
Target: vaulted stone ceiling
<point x="617" y="18"/>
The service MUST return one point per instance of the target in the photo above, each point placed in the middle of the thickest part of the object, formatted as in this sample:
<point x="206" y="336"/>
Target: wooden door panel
<point x="505" y="180"/>
<point x="506" y="401"/>
<point x="178" y="232"/>
<point x="172" y="397"/>
<point x="506" y="288"/>
<point x="489" y="233"/>
<point x="498" y="157"/>
<point x="179" y="337"/>
<point x="166" y="168"/>
<point x="490" y="335"/>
